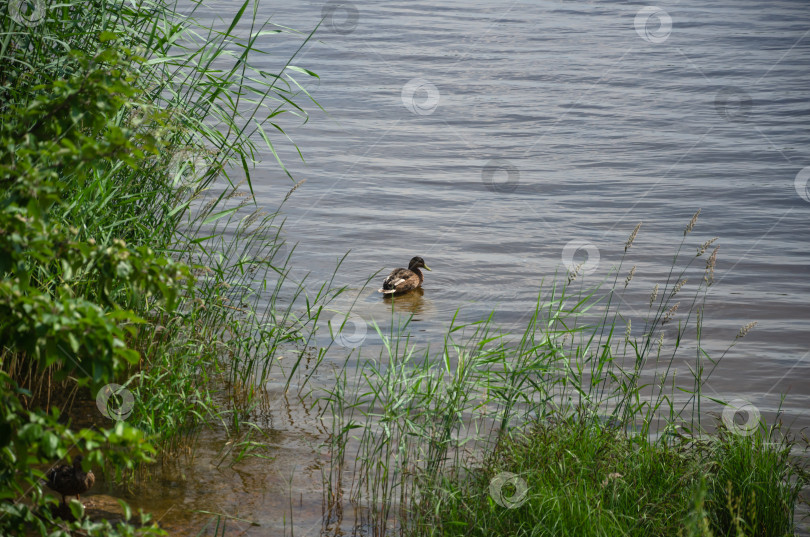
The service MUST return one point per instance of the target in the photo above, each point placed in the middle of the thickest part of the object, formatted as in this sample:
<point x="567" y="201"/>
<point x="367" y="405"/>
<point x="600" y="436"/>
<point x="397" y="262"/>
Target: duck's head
<point x="77" y="462"/>
<point x="417" y="262"/>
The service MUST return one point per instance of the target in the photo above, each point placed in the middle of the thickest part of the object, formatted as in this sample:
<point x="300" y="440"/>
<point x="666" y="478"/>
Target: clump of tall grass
<point x="412" y="428"/>
<point x="576" y="476"/>
<point x="755" y="482"/>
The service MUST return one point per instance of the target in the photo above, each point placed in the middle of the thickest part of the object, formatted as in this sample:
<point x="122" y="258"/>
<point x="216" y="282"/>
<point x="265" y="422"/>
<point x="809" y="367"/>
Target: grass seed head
<point x="654" y="295"/>
<point x="678" y="287"/>
<point x="703" y="247"/>
<point x="235" y="192"/>
<point x="745" y="329"/>
<point x="629" y="276"/>
<point x="632" y="237"/>
<point x="242" y="204"/>
<point x="670" y="314"/>
<point x="207" y="207"/>
<point x="294" y="188"/>
<point x="611" y="477"/>
<point x="252" y="217"/>
<point x="691" y="225"/>
<point x="710" y="264"/>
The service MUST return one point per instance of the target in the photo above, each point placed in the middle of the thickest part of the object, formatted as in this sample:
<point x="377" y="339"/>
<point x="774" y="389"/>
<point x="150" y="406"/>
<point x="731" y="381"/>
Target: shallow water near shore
<point x="486" y="139"/>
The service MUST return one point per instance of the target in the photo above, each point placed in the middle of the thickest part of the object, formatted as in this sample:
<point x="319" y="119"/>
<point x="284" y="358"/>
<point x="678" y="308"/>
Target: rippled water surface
<point x="587" y="128"/>
<point x="486" y="136"/>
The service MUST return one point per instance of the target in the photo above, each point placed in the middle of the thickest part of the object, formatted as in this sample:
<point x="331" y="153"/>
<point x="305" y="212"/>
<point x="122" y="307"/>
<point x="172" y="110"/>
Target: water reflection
<point x="412" y="302"/>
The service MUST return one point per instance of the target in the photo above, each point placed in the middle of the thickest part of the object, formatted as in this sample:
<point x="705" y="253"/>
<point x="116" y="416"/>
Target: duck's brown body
<point x="70" y="480"/>
<point x="405" y="279"/>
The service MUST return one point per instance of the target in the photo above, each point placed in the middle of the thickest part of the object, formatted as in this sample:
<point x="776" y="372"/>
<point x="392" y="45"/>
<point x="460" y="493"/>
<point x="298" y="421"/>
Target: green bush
<point x="63" y="296"/>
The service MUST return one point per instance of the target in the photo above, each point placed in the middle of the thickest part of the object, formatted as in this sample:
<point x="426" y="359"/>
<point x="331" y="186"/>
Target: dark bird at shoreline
<point x="404" y="279"/>
<point x="70" y="480"/>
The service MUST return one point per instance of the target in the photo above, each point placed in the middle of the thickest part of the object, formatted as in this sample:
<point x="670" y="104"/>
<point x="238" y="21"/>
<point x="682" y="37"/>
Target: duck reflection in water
<point x="410" y="302"/>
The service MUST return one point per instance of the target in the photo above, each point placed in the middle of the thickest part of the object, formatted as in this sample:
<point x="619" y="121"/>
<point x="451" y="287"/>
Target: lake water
<point x="486" y="137"/>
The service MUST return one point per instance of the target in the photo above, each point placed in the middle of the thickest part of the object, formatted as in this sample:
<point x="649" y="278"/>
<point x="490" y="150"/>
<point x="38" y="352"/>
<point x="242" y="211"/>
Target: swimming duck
<point x="70" y="480"/>
<point x="405" y="279"/>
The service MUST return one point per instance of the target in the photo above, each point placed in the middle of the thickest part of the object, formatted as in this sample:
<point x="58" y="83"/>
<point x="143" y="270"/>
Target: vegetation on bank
<point x="130" y="255"/>
<point x="125" y="127"/>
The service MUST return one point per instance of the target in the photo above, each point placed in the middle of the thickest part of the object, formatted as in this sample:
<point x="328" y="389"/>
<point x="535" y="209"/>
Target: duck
<point x="70" y="480"/>
<point x="405" y="279"/>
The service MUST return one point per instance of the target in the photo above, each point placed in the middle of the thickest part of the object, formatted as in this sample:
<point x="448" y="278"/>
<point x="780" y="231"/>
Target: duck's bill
<point x="426" y="267"/>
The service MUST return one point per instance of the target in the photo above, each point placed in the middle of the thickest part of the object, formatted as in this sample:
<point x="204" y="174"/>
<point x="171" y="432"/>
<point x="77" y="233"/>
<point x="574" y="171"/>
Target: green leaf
<point x="302" y="70"/>
<point x="217" y="216"/>
<point x="76" y="509"/>
<point x="126" y="508"/>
